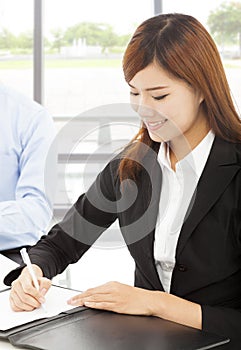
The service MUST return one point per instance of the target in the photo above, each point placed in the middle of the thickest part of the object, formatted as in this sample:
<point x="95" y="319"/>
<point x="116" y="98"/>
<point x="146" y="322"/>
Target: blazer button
<point x="182" y="268"/>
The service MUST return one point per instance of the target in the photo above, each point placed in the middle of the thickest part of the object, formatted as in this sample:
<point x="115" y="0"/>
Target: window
<point x="83" y="76"/>
<point x="83" y="51"/>
<point x="16" y="45"/>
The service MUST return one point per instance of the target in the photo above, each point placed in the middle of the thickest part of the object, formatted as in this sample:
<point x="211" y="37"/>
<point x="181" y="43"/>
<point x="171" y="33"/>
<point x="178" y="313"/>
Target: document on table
<point x="6" y="265"/>
<point x="56" y="302"/>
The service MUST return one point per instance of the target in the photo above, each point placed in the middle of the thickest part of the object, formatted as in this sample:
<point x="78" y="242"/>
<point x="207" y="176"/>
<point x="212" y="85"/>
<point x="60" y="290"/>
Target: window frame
<point x="38" y="49"/>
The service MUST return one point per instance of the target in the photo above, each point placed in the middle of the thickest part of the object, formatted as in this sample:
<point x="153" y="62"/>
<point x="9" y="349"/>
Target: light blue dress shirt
<point x="26" y="135"/>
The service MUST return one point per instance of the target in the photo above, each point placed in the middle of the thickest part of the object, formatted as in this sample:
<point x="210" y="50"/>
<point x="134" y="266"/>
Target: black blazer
<point x="208" y="254"/>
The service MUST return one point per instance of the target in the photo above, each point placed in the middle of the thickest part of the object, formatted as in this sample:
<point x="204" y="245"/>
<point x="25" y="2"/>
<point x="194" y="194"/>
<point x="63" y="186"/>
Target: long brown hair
<point x="183" y="47"/>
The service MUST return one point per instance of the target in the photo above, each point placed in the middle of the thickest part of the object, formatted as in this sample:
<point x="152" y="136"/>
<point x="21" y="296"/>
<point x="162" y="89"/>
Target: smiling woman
<point x="183" y="61"/>
<point x="168" y="111"/>
<point x="175" y="190"/>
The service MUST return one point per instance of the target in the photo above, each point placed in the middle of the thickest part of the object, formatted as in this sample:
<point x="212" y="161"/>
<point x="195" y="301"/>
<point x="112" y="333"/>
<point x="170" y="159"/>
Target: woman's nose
<point x="145" y="111"/>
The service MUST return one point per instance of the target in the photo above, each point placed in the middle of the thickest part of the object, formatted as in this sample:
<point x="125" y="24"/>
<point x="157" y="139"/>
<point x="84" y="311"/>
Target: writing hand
<point x="24" y="296"/>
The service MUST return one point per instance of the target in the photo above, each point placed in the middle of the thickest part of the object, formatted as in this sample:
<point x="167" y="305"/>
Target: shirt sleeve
<point x="23" y="220"/>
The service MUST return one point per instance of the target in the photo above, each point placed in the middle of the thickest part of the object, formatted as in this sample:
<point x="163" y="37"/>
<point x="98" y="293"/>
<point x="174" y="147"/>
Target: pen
<point x="27" y="261"/>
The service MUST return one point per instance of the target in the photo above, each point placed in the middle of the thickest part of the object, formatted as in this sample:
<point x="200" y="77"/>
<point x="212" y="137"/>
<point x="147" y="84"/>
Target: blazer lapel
<point x="220" y="168"/>
<point x="153" y="193"/>
<point x="150" y="193"/>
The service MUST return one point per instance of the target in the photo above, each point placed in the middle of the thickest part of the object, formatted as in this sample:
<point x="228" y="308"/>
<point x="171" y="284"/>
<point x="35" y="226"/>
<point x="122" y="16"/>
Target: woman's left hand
<point x="117" y="297"/>
<point x="124" y="299"/>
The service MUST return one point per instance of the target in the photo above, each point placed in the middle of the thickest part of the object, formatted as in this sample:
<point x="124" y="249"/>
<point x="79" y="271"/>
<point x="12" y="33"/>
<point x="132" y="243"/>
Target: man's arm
<point x="22" y="219"/>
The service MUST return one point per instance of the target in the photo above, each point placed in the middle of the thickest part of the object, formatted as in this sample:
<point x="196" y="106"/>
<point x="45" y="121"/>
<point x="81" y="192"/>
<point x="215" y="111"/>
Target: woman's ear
<point x="200" y="97"/>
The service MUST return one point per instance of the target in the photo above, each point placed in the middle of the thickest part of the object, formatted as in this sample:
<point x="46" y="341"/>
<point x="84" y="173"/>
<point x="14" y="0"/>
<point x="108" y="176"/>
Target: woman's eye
<point x="160" y="97"/>
<point x="134" y="93"/>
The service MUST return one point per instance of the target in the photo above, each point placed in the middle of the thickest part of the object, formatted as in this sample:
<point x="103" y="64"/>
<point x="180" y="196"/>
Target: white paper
<point x="56" y="302"/>
<point x="6" y="265"/>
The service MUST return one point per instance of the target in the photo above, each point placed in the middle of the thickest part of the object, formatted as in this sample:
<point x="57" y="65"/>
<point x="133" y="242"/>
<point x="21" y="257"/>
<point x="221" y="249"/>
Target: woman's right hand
<point x="24" y="296"/>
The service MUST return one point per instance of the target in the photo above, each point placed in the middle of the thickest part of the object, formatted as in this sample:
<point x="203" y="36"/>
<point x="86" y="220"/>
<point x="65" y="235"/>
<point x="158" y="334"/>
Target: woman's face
<point x="168" y="106"/>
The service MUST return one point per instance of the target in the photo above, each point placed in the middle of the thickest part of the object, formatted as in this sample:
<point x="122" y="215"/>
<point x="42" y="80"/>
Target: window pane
<point x="16" y="44"/>
<point x="83" y="51"/>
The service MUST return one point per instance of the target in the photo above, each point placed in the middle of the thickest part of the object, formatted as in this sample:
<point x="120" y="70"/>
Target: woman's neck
<point x="184" y="144"/>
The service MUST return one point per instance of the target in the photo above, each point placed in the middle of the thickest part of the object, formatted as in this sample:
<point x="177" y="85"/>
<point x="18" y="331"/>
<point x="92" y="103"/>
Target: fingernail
<point x="72" y="302"/>
<point x="42" y="300"/>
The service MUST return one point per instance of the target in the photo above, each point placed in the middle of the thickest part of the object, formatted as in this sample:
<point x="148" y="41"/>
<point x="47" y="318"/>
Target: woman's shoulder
<point x="228" y="144"/>
<point x="238" y="151"/>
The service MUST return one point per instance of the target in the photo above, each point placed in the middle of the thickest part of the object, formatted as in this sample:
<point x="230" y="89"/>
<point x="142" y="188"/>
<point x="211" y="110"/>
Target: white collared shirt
<point x="177" y="190"/>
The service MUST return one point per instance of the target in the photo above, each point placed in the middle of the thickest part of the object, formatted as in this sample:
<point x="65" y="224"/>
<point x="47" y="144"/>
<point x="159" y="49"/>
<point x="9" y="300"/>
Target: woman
<point x="175" y="190"/>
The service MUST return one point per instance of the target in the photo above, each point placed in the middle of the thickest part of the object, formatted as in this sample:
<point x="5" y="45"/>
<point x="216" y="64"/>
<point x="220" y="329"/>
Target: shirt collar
<point x="196" y="158"/>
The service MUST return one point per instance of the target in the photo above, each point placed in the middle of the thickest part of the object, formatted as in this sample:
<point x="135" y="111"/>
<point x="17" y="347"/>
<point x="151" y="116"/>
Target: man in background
<point x="26" y="134"/>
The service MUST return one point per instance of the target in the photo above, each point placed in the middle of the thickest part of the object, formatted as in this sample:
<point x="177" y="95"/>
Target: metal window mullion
<point x="158" y="7"/>
<point x="38" y="52"/>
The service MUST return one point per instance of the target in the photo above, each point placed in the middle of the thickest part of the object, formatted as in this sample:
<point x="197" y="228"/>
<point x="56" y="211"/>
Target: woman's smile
<point x="155" y="125"/>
